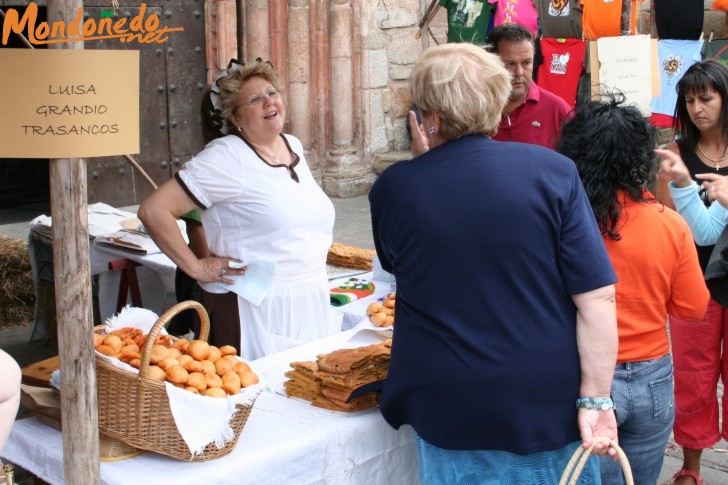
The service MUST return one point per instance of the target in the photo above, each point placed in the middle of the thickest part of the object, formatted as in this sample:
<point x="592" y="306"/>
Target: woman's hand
<point x="716" y="185"/>
<point x="216" y="269"/>
<point x="673" y="168"/>
<point x="598" y="423"/>
<point x="420" y="142"/>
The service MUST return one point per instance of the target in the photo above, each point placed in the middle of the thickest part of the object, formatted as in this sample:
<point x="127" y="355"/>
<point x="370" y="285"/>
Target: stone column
<point x="345" y="174"/>
<point x="298" y="97"/>
<point x="220" y="35"/>
<point x="278" y="25"/>
<point x="320" y="82"/>
<point x="257" y="30"/>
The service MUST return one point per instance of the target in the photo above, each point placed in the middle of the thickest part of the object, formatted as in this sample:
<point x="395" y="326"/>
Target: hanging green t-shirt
<point x="467" y="20"/>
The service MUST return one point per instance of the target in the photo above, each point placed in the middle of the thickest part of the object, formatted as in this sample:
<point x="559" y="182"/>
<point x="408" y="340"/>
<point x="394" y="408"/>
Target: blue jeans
<point x="439" y="466"/>
<point x="645" y="408"/>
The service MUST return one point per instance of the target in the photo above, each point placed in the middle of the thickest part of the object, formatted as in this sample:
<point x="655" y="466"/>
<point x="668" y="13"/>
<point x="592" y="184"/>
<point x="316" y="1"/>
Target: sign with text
<point x="626" y="65"/>
<point x="69" y="103"/>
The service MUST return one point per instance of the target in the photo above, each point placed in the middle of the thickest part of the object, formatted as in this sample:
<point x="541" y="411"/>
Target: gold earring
<point x="240" y="128"/>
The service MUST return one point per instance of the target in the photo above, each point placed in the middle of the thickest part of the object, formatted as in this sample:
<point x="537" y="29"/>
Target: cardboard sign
<point x="626" y="64"/>
<point x="69" y="103"/>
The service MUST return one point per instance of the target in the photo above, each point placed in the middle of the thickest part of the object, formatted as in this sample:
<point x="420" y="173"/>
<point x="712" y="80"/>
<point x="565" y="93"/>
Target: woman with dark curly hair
<point x="652" y="251"/>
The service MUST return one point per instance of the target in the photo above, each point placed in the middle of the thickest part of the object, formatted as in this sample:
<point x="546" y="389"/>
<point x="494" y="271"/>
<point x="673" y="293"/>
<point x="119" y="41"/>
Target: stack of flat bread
<point x="350" y="256"/>
<point x="329" y="381"/>
<point x="303" y="381"/>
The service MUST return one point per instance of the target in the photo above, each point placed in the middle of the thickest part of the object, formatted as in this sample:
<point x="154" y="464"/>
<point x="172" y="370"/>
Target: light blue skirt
<point x="486" y="467"/>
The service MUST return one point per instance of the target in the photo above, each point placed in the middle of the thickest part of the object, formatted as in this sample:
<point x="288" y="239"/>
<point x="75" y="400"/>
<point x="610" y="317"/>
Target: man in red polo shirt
<point x="532" y="115"/>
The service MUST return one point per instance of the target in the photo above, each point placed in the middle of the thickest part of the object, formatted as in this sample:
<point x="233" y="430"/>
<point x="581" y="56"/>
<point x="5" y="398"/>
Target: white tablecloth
<point x="285" y="441"/>
<point x="155" y="275"/>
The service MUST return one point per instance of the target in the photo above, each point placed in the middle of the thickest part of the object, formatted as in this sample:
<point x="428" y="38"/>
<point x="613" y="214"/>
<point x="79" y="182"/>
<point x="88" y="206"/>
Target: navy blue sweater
<point x="487" y="241"/>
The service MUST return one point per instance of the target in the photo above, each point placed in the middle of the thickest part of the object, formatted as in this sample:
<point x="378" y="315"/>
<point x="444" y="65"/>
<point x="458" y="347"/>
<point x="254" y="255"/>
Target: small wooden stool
<point x="128" y="284"/>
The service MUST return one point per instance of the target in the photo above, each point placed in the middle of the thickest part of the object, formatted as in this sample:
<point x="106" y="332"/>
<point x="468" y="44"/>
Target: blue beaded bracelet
<point x="595" y="403"/>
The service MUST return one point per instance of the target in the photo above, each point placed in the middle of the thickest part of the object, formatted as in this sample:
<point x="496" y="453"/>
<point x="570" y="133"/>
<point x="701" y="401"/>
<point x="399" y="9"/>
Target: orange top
<point x="658" y="272"/>
<point x="602" y="18"/>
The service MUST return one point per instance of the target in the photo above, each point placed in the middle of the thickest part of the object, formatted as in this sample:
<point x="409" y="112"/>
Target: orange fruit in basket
<point x="198" y="349"/>
<point x="231" y="378"/>
<point x="228" y="350"/>
<point x="378" y="318"/>
<point x="158" y="354"/>
<point x="104" y="349"/>
<point x="98" y="340"/>
<point x="242" y="367"/>
<point x="174" y="353"/>
<point x="248" y="379"/>
<point x="231" y="389"/>
<point x="198" y="381"/>
<point x="167" y="363"/>
<point x="184" y="358"/>
<point x="223" y="366"/>
<point x="215" y="392"/>
<point x="177" y="375"/>
<point x="214" y="354"/>
<point x="231" y="383"/>
<point x="156" y="373"/>
<point x="194" y="366"/>
<point x="208" y="367"/>
<point x="114" y="342"/>
<point x="374" y="307"/>
<point x="213" y="380"/>
<point x="181" y="344"/>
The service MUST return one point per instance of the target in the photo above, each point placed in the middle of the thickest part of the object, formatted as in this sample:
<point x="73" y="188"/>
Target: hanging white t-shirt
<point x="253" y="210"/>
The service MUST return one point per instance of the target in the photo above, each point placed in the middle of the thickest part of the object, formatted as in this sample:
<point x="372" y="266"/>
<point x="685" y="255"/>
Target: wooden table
<point x="39" y="374"/>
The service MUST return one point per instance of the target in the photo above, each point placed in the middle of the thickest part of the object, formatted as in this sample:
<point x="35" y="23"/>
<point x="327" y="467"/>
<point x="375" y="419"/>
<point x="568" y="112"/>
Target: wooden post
<point x="626" y="17"/>
<point x="72" y="275"/>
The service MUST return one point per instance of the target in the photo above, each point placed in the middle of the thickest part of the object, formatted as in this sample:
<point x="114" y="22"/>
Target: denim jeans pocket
<point x="663" y="399"/>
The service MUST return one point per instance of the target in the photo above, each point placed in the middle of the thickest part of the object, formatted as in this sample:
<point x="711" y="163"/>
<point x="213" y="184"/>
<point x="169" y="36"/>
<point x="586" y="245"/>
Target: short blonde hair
<point x="464" y="85"/>
<point x="232" y="84"/>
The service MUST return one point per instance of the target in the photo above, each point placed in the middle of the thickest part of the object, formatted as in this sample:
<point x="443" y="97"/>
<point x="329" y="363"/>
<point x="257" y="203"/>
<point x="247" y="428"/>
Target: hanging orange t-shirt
<point x="602" y="18"/>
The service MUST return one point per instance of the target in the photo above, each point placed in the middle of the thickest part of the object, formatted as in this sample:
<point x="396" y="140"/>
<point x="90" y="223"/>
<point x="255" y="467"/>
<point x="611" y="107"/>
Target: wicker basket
<point x="134" y="408"/>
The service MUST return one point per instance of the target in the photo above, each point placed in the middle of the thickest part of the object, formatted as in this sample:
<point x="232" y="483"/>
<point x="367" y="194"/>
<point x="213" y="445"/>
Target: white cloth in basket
<point x="202" y="420"/>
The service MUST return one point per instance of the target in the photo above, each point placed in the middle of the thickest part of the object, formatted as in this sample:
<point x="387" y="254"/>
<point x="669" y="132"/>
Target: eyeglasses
<point x="271" y="94"/>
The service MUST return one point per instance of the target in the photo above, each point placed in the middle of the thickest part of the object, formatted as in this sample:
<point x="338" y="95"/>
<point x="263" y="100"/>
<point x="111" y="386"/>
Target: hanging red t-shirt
<point x="602" y="18"/>
<point x="563" y="63"/>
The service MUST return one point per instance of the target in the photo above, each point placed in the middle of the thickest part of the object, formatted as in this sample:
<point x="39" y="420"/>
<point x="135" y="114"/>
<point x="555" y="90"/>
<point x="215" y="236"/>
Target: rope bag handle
<point x="581" y="455"/>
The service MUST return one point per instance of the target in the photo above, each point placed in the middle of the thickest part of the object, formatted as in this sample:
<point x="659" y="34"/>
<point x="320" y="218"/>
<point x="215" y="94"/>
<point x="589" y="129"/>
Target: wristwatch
<point x="595" y="403"/>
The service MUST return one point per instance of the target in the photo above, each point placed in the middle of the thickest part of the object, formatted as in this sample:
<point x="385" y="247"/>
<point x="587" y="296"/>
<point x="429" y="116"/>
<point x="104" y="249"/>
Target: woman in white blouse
<point x="258" y="201"/>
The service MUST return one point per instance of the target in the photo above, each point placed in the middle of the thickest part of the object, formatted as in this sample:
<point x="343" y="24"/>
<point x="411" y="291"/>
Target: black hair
<point x="212" y="122"/>
<point x="612" y="145"/>
<point x="699" y="78"/>
<point x="508" y="32"/>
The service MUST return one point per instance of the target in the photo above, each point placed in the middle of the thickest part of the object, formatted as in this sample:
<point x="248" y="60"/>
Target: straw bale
<point x="17" y="295"/>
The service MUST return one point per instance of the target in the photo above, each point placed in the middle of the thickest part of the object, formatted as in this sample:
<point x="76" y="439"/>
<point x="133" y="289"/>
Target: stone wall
<point x="389" y="50"/>
<point x="345" y="66"/>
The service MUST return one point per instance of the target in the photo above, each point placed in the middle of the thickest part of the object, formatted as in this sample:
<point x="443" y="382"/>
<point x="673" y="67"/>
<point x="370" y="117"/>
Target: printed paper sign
<point x="69" y="103"/>
<point x="626" y="65"/>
